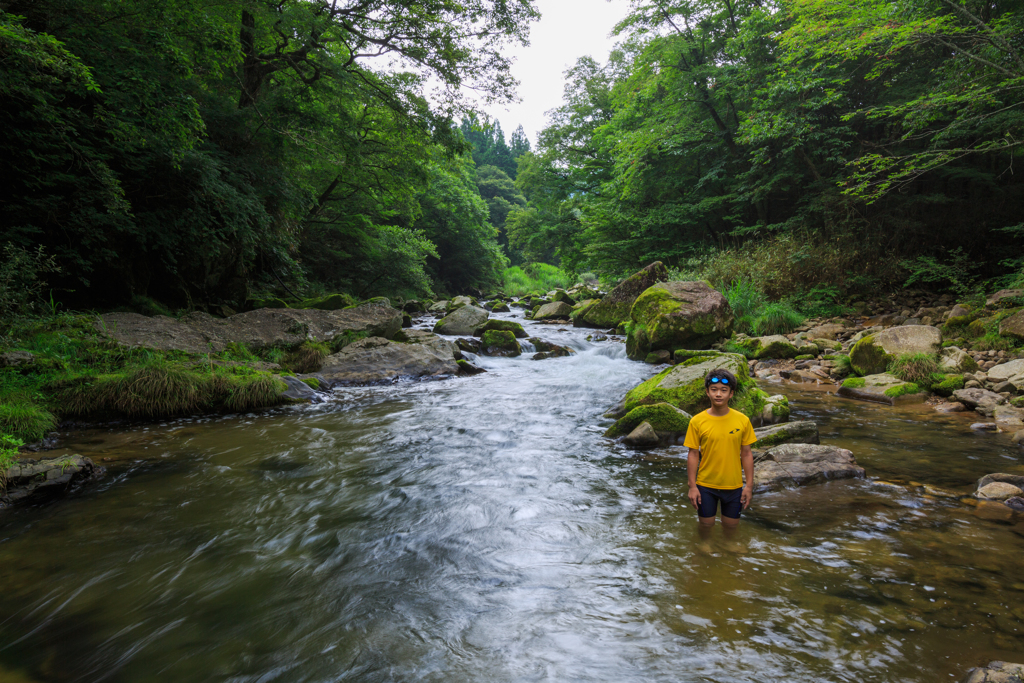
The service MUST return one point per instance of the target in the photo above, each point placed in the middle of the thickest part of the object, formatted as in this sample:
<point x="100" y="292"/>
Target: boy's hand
<point x="694" y="496"/>
<point x="746" y="496"/>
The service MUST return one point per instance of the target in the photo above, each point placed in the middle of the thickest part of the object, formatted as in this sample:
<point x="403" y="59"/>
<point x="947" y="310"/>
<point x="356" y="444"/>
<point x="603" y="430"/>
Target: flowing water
<point x="482" y="529"/>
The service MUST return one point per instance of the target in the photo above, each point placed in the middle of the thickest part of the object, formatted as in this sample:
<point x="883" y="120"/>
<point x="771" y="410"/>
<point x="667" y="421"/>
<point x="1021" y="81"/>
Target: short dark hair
<point x="723" y="376"/>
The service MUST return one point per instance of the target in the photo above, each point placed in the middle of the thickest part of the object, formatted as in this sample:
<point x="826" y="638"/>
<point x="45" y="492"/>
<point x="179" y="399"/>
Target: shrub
<point x="8" y="456"/>
<point x="917" y="368"/>
<point x="777" y="318"/>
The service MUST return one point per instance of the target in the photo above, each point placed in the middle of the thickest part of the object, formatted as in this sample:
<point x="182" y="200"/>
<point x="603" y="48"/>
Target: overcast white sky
<point x="568" y="29"/>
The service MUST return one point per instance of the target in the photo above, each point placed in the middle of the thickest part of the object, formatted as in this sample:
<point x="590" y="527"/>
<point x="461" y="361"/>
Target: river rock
<point x="463" y="321"/>
<point x="1013" y="479"/>
<point x="773" y="346"/>
<point x="872" y="353"/>
<point x="413" y="307"/>
<point x="997" y="672"/>
<point x="615" y="308"/>
<point x="26" y="478"/>
<point x="1013" y="326"/>
<point x="500" y="343"/>
<point x="563" y="296"/>
<point x="978" y="398"/>
<point x="1008" y="418"/>
<point x="798" y="464"/>
<point x="953" y="407"/>
<point x="439" y="308"/>
<point x="954" y="360"/>
<point x="775" y="411"/>
<point x="985" y="427"/>
<point x="1012" y="372"/>
<point x="882" y="388"/>
<point x="376" y="360"/>
<point x="259" y="329"/>
<point x="499" y="307"/>
<point x="459" y="302"/>
<point x="547" y="350"/>
<point x="467" y="368"/>
<point x="666" y="420"/>
<point x="829" y="331"/>
<point x="299" y="390"/>
<point x="496" y="324"/>
<point x="643" y="437"/>
<point x="556" y="309"/>
<point x="683" y="386"/>
<point x="999" y="298"/>
<point x="674" y="315"/>
<point x="791" y="432"/>
<point x="998" y="490"/>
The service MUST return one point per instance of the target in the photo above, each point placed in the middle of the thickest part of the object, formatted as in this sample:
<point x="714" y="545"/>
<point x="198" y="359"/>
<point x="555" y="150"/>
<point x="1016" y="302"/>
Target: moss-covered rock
<point x="554" y="310"/>
<point x="683" y="387"/>
<point x="499" y="343"/>
<point x="773" y="346"/>
<point x="867" y="358"/>
<point x="563" y="296"/>
<point x="638" y="346"/>
<point x="332" y="302"/>
<point x="663" y="417"/>
<point x="462" y="321"/>
<point x="507" y="325"/>
<point x="791" y="432"/>
<point x="882" y="388"/>
<point x="615" y="308"/>
<point x="681" y="315"/>
<point x="1013" y="326"/>
<point x="948" y="385"/>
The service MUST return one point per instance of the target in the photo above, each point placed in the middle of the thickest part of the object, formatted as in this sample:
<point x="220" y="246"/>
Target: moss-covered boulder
<point x="680" y="315"/>
<point x="868" y="358"/>
<point x="773" y="346"/>
<point x="950" y="384"/>
<point x="775" y="411"/>
<point x="665" y="418"/>
<point x="563" y="296"/>
<point x="438" y="307"/>
<point x="615" y="308"/>
<point x="791" y="432"/>
<point x="546" y="349"/>
<point x="554" y="310"/>
<point x="414" y="306"/>
<point x="462" y="321"/>
<point x="460" y="301"/>
<point x="1013" y="326"/>
<point x="499" y="307"/>
<point x="882" y="388"/>
<point x="955" y="360"/>
<point x="499" y="343"/>
<point x="333" y="302"/>
<point x="507" y="325"/>
<point x="683" y="387"/>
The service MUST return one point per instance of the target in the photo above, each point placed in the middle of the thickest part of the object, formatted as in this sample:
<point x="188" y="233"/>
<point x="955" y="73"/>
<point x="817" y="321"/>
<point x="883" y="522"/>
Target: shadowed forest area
<point x="192" y="154"/>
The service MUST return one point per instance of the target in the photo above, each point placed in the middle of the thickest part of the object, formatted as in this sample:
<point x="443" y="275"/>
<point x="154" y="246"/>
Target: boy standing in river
<point x="719" y="440"/>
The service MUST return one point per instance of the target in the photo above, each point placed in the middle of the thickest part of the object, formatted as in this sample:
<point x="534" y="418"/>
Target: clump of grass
<point x="746" y="302"/>
<point x="307" y="357"/>
<point x="777" y="318"/>
<point x="533" y="277"/>
<point x="23" y="419"/>
<point x="916" y="368"/>
<point x="250" y="393"/>
<point x="8" y="456"/>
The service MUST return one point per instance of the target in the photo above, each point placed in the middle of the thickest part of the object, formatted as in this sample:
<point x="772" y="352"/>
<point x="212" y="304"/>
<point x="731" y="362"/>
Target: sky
<point x="567" y="30"/>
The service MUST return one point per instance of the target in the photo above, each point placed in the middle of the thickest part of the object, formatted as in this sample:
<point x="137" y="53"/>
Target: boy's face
<point x="719" y="394"/>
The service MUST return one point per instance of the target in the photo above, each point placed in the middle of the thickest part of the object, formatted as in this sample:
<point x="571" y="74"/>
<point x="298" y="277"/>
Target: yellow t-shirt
<point x="719" y="440"/>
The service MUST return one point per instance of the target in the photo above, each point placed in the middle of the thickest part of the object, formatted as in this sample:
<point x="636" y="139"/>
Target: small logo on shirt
<point x="735" y="430"/>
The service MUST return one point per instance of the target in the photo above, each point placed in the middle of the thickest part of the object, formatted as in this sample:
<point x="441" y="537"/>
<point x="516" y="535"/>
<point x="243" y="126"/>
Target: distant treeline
<point x="202" y="152"/>
<point x="850" y="144"/>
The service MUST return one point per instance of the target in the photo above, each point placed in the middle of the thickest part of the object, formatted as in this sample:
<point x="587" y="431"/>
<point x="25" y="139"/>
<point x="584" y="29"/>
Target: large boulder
<point x="774" y="346"/>
<point x="505" y="325"/>
<point x="829" y="331"/>
<point x="259" y="329"/>
<point x="615" y="308"/>
<point x="872" y="353"/>
<point x="1012" y="372"/>
<point x="376" y="360"/>
<point x="500" y="343"/>
<point x="791" y="432"/>
<point x="954" y="360"/>
<point x="882" y="388"/>
<point x="463" y="321"/>
<point x="687" y="315"/>
<point x="554" y="310"/>
<point x="800" y="464"/>
<point x="1003" y="296"/>
<point x="26" y="478"/>
<point x="683" y="387"/>
<point x="664" y="418"/>
<point x="438" y="308"/>
<point x="1013" y="326"/>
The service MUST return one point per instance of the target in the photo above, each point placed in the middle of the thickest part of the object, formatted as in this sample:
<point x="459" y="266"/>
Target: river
<point x="482" y="529"/>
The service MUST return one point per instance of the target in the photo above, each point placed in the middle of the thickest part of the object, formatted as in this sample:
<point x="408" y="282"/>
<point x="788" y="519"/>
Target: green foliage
<point x="898" y="390"/>
<point x="776" y="318"/>
<point x="21" y="283"/>
<point x="306" y="358"/>
<point x="520" y="281"/>
<point x="9" y="446"/>
<point x="947" y="384"/>
<point x="25" y="420"/>
<point x="914" y="367"/>
<point x="956" y="272"/>
<point x="854" y="383"/>
<point x="746" y="303"/>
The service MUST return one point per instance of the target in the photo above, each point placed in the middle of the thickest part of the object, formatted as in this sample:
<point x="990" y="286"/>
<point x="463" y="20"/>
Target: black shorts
<point x="730" y="499"/>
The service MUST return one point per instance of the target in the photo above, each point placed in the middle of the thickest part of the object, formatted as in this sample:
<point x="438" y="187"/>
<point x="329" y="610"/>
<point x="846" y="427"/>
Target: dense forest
<point x="200" y="153"/>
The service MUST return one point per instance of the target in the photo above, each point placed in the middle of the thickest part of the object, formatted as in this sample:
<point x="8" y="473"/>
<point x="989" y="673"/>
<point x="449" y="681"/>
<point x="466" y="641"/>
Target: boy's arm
<point x="692" y="464"/>
<point x="747" y="460"/>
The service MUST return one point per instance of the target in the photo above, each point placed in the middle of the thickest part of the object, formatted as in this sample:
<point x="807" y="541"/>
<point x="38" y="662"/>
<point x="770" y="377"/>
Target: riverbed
<point x="482" y="529"/>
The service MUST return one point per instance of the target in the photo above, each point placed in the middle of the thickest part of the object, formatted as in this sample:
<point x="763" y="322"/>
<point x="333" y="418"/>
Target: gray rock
<point x="12" y="359"/>
<point x="467" y="368"/>
<point x="959" y="311"/>
<point x="985" y="427"/>
<point x="463" y="321"/>
<point x="1015" y="479"/>
<point x="978" y="398"/>
<point x="28" y="477"/>
<point x="880" y="388"/>
<point x="776" y="410"/>
<point x="774" y="346"/>
<point x="909" y="339"/>
<point x="954" y="360"/>
<point x="299" y="390"/>
<point x="643" y="437"/>
<point x="614" y="309"/>
<point x="377" y="360"/>
<point x="796" y="464"/>
<point x="790" y="432"/>
<point x="556" y="309"/>
<point x="997" y="298"/>
<point x="998" y="490"/>
<point x="439" y="308"/>
<point x="829" y="331"/>
<point x="1004" y="387"/>
<point x="954" y="407"/>
<point x="259" y="329"/>
<point x="459" y="302"/>
<point x="1012" y="372"/>
<point x="1013" y="326"/>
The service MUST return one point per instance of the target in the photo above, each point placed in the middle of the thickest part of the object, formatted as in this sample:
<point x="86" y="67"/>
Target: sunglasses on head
<point x="716" y="380"/>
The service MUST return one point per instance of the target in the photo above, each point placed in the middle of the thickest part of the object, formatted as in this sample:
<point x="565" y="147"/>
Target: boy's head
<point x="719" y="379"/>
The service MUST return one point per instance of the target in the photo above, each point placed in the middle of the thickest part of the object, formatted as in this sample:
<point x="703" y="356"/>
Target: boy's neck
<point x="719" y="412"/>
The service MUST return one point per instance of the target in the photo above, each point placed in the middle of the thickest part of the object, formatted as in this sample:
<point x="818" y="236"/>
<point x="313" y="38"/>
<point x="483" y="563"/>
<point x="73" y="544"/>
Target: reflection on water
<point x="482" y="529"/>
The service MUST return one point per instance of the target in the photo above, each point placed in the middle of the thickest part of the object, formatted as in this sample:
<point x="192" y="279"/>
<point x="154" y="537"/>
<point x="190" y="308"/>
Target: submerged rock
<point x="27" y="478"/>
<point x="673" y="315"/>
<point x="882" y="388"/>
<point x="299" y="390"/>
<point x="798" y="464"/>
<point x="463" y="321"/>
<point x="376" y="360"/>
<point x="642" y="437"/>
<point x="263" y="328"/>
<point x="467" y="368"/>
<point x="614" y="309"/>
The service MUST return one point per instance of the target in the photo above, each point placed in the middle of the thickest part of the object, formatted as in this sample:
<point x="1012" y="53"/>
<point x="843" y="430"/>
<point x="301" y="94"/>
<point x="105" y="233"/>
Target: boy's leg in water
<point x="706" y="511"/>
<point x="704" y="527"/>
<point x="732" y="506"/>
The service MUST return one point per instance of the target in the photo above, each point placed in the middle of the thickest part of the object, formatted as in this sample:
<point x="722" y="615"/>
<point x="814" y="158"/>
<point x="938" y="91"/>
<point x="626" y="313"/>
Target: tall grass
<point x="777" y="317"/>
<point x="917" y="368"/>
<point x="746" y="302"/>
<point x="23" y="419"/>
<point x="533" y="277"/>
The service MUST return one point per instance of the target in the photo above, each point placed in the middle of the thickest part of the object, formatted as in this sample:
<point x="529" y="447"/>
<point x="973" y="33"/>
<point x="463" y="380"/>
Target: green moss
<point x="948" y="385"/>
<point x="854" y="383"/>
<point x="805" y="356"/>
<point x="684" y="354"/>
<point x="507" y="325"/>
<point x="975" y="329"/>
<point x="500" y="342"/>
<point x="332" y="302"/>
<point x="661" y="416"/>
<point x="312" y="383"/>
<point x="902" y="390"/>
<point x="868" y="359"/>
<point x="1017" y="401"/>
<point x="638" y="345"/>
